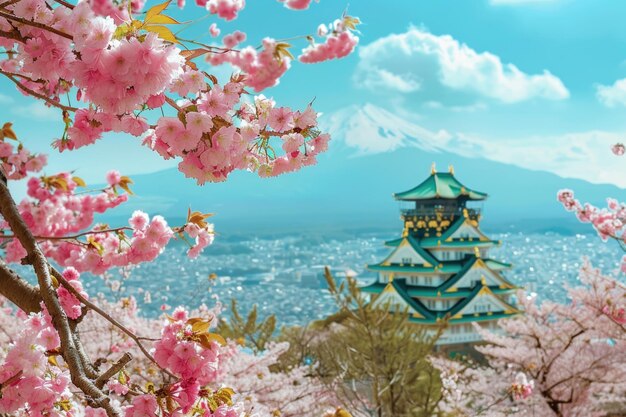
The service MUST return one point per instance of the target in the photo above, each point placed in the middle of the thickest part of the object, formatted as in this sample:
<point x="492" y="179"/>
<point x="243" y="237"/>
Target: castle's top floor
<point x="437" y="188"/>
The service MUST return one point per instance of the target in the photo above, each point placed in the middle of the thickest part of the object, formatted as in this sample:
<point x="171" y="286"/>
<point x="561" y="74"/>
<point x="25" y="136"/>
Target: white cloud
<point x="612" y="95"/>
<point x="39" y="111"/>
<point x="441" y="66"/>
<point x="583" y="155"/>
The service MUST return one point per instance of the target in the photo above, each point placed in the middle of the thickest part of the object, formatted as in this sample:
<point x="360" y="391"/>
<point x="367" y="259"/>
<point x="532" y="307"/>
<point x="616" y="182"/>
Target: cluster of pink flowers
<point x="69" y="302"/>
<point x="16" y="161"/>
<point x="211" y="147"/>
<point x="118" y="10"/>
<point x="618" y="149"/>
<point x="180" y="352"/>
<point x="522" y="388"/>
<point x="203" y="238"/>
<point x="617" y="314"/>
<point x="609" y="222"/>
<point x="339" y="41"/>
<point x="262" y="68"/>
<point x="186" y="350"/>
<point x="121" y="68"/>
<point x="297" y="4"/>
<point x="28" y="379"/>
<point x="58" y="217"/>
<point x="226" y="9"/>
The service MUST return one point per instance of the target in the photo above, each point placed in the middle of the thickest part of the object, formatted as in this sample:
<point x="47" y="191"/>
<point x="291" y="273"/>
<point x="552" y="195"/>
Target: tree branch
<point x="25" y="296"/>
<point x="107" y="317"/>
<point x="37" y="25"/>
<point x="115" y="368"/>
<point x="64" y="3"/>
<point x="36" y="94"/>
<point x="70" y="353"/>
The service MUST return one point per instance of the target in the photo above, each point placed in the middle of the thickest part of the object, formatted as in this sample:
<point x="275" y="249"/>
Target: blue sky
<point x="531" y="83"/>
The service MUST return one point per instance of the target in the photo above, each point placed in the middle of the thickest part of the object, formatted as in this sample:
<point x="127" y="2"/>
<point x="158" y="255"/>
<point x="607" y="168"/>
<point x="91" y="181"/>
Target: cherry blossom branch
<point x="107" y="317"/>
<point x="114" y="369"/>
<point x="36" y="94"/>
<point x="173" y="103"/>
<point x="74" y="237"/>
<point x="25" y="296"/>
<point x="8" y="3"/>
<point x="35" y="257"/>
<point x="66" y="4"/>
<point x="11" y="35"/>
<point x="10" y="380"/>
<point x="37" y="25"/>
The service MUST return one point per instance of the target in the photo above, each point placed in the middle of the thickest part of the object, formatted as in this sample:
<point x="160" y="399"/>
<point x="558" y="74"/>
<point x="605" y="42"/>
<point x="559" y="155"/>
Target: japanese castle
<point x="440" y="267"/>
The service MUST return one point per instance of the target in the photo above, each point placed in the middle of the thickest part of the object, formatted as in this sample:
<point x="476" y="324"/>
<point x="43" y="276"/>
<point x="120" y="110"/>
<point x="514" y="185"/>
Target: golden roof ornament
<point x="476" y="252"/>
<point x="433" y="169"/>
<point x="451" y="169"/>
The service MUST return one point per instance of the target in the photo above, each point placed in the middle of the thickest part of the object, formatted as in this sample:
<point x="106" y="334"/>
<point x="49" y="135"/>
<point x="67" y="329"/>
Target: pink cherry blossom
<point x="296" y="4"/>
<point x="618" y="149"/>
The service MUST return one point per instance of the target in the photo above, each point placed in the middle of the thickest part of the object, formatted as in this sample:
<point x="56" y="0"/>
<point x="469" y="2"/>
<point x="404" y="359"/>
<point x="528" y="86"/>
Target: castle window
<point x="406" y="261"/>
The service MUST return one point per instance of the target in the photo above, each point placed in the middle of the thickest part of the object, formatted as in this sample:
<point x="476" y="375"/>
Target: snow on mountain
<point x="369" y="129"/>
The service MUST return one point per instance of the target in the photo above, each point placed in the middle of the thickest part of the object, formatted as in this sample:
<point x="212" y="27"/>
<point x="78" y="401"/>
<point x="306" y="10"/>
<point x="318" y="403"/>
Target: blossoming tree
<point x="130" y="73"/>
<point x="556" y="359"/>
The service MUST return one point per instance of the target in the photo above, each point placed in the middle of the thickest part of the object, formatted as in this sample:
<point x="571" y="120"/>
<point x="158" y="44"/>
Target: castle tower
<point x="439" y="268"/>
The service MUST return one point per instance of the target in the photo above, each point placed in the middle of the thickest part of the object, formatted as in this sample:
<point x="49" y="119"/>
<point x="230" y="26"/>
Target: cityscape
<point x="284" y="275"/>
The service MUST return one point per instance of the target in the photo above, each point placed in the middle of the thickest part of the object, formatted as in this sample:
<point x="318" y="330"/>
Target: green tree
<point x="248" y="331"/>
<point x="374" y="359"/>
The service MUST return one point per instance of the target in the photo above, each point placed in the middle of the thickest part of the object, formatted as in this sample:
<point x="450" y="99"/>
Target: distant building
<point x="439" y="268"/>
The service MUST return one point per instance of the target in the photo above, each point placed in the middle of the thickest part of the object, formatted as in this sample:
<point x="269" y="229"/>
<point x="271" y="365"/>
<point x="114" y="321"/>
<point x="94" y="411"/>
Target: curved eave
<point x="445" y="268"/>
<point x="432" y="292"/>
<point x="435" y="292"/>
<point x="482" y="317"/>
<point x="457" y="244"/>
<point x="440" y="185"/>
<point x="439" y="243"/>
<point x="497" y="265"/>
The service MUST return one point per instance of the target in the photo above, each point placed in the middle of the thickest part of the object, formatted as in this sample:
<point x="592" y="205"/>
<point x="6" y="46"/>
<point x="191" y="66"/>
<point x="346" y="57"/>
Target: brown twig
<point x="73" y="237"/>
<point x="38" y="25"/>
<point x="173" y="104"/>
<point x="64" y="3"/>
<point x="36" y="94"/>
<point x="114" y="369"/>
<point x="8" y="3"/>
<point x="10" y="380"/>
<point x="107" y="317"/>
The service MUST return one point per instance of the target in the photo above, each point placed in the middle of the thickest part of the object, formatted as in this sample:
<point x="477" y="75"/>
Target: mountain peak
<point x="370" y="129"/>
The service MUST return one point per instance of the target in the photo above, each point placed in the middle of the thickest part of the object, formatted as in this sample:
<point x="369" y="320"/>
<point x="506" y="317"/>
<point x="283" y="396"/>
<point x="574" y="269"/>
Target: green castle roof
<point x="448" y="267"/>
<point x="431" y="317"/>
<point x="422" y="291"/>
<point x="444" y="267"/>
<point x="440" y="185"/>
<point x="467" y="319"/>
<point x="437" y="242"/>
